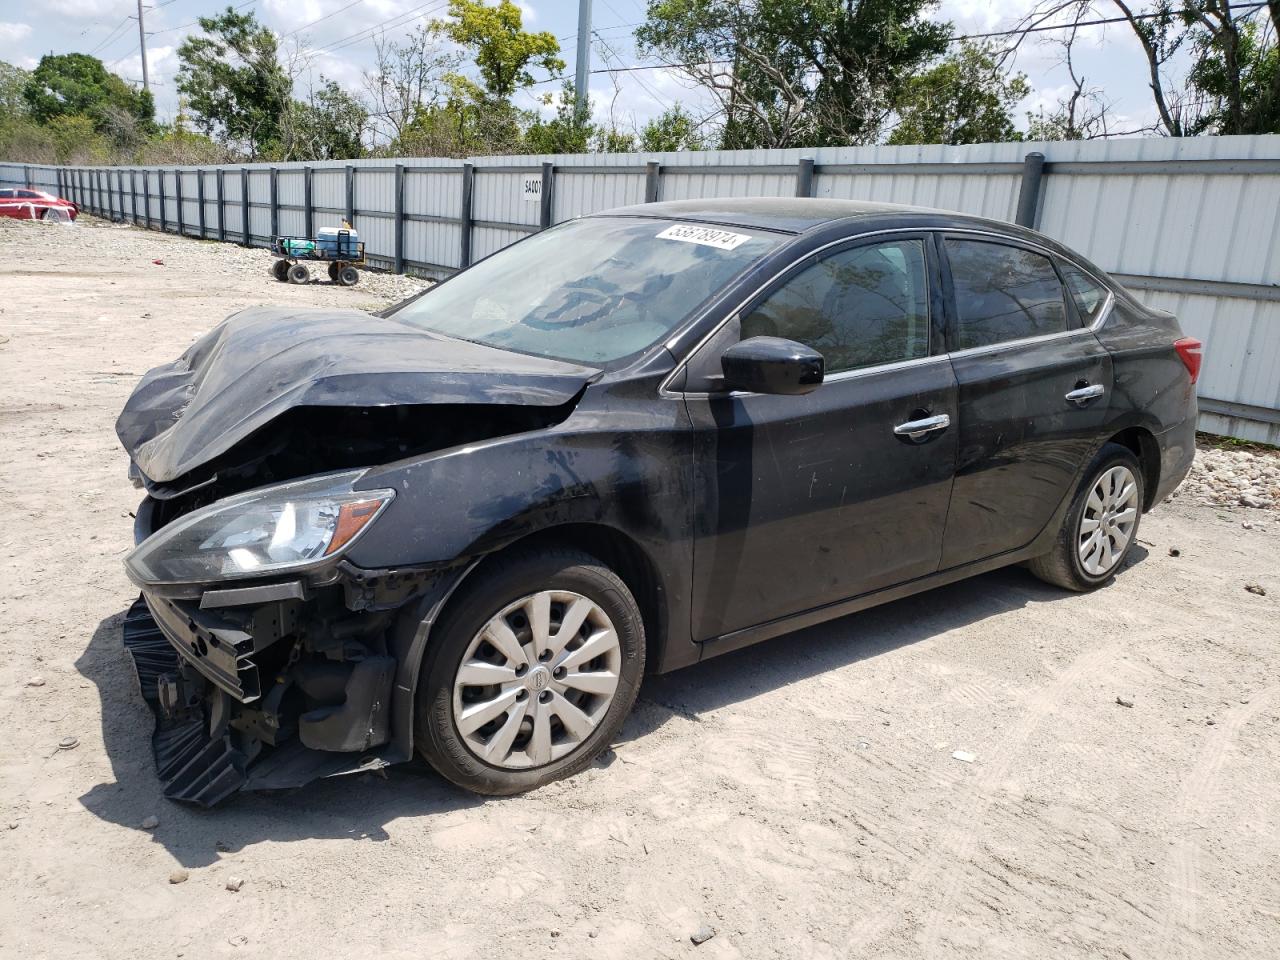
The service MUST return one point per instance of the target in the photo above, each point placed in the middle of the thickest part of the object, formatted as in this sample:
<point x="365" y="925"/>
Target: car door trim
<point x="1104" y="314"/>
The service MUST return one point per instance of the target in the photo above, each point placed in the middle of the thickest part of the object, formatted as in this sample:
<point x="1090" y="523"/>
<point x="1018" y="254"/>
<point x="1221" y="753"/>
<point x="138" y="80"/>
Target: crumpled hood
<point x="262" y="361"/>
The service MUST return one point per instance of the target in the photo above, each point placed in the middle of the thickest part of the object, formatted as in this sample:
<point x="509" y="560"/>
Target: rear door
<point x="807" y="500"/>
<point x="1033" y="384"/>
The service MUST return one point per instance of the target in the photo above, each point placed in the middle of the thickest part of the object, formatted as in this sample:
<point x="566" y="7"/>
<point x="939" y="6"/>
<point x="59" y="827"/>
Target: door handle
<point x="915" y="429"/>
<point x="1083" y="395"/>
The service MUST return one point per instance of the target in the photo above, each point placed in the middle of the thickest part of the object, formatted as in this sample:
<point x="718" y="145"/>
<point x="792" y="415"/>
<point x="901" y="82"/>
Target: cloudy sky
<point x="338" y="35"/>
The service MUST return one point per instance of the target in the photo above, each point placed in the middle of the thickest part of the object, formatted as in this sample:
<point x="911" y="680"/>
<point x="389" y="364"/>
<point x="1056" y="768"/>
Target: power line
<point x="367" y="33"/>
<point x="638" y="68"/>
<point x="195" y="23"/>
<point x="112" y="36"/>
<point x="318" y="19"/>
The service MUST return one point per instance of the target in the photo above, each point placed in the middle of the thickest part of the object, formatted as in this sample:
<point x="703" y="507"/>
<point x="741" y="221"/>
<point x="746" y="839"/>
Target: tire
<point x="280" y="270"/>
<point x="348" y="276"/>
<point x="298" y="273"/>
<point x="504" y="591"/>
<point x="333" y="272"/>
<point x="1087" y="553"/>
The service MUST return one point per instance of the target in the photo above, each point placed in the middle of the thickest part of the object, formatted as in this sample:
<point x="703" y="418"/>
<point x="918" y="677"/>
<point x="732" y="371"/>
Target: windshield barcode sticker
<point x="708" y="237"/>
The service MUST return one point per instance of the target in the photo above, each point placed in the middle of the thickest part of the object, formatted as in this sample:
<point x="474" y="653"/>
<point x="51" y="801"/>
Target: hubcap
<point x="1106" y="525"/>
<point x="536" y="680"/>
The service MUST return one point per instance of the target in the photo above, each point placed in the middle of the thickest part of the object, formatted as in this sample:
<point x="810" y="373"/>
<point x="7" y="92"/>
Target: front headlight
<point x="275" y="529"/>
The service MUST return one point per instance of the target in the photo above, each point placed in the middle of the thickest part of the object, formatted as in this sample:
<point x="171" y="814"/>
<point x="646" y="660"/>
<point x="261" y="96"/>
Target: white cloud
<point x="13" y="32"/>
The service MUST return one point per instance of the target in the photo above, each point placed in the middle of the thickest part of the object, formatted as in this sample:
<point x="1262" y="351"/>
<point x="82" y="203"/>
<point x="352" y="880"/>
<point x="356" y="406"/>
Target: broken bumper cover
<point x="216" y="733"/>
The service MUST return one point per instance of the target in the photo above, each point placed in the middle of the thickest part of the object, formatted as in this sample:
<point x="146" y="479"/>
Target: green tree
<point x="1241" y="91"/>
<point x="965" y="98"/>
<point x="13" y="85"/>
<point x="76" y="84"/>
<point x="233" y="82"/>
<point x="502" y="49"/>
<point x="569" y="131"/>
<point x="330" y="126"/>
<point x="674" y="129"/>
<point x="787" y="73"/>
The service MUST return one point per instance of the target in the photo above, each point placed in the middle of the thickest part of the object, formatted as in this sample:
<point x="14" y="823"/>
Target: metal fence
<point x="1191" y="226"/>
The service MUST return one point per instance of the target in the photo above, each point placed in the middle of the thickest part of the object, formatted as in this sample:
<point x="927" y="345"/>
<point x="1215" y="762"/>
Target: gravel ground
<point x="802" y="798"/>
<point x="1226" y="477"/>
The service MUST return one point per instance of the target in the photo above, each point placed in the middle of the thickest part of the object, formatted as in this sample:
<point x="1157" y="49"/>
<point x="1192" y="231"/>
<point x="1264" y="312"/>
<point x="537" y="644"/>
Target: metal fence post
<point x="1029" y="192"/>
<point x="217" y="185"/>
<point x="804" y="177"/>
<point x="308" y="218"/>
<point x="246" y="238"/>
<point x="200" y="198"/>
<point x="275" y="204"/>
<point x="351" y="195"/>
<point x="106" y="192"/>
<point x="548" y="184"/>
<point x="120" y="191"/>
<point x="58" y="174"/>
<point x="468" y="186"/>
<point x="133" y="196"/>
<point x="652" y="171"/>
<point x="26" y="174"/>
<point x="399" y="222"/>
<point x="164" y="213"/>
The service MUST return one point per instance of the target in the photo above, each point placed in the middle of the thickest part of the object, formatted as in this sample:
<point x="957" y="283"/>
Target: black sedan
<point x="631" y="442"/>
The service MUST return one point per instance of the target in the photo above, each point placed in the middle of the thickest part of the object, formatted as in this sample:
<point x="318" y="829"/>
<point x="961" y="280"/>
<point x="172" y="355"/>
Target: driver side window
<point x="859" y="307"/>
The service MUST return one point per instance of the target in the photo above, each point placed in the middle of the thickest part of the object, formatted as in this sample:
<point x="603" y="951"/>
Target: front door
<point x="808" y="500"/>
<point x="1033" y="384"/>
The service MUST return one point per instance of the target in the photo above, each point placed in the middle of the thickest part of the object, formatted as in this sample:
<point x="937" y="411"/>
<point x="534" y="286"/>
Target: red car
<point x="28" y="204"/>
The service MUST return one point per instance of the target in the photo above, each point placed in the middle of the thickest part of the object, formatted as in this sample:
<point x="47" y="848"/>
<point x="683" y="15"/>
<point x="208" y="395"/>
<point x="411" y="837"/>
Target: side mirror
<point x="772" y="365"/>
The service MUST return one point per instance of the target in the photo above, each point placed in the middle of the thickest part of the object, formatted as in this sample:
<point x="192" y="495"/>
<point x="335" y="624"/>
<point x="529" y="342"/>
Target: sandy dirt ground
<point x="796" y="799"/>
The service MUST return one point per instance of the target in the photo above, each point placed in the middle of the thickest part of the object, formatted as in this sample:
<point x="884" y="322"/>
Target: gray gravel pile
<point x="1223" y="477"/>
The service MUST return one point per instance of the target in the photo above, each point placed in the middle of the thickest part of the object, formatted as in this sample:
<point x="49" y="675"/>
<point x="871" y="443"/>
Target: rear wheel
<point x="531" y="672"/>
<point x="280" y="270"/>
<point x="298" y="273"/>
<point x="333" y="272"/>
<point x="1101" y="526"/>
<point x="348" y="276"/>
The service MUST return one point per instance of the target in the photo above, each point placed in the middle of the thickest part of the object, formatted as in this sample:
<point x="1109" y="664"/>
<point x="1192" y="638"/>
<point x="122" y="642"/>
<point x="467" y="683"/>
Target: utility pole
<point x="142" y="47"/>
<point x="581" y="105"/>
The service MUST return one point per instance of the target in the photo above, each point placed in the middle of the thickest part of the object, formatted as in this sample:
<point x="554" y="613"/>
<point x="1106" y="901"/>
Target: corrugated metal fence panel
<point x="432" y="197"/>
<point x="232" y="214"/>
<point x="1191" y="225"/>
<point x="329" y="193"/>
<point x="375" y="203"/>
<point x="1212" y="226"/>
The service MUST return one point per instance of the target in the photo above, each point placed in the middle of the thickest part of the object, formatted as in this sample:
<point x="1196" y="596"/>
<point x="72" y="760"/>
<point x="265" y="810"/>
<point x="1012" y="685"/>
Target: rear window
<point x="1087" y="294"/>
<point x="1003" y="293"/>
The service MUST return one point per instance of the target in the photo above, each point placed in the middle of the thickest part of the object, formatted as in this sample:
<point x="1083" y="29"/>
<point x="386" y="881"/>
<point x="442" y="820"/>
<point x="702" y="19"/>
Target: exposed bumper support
<point x="202" y="756"/>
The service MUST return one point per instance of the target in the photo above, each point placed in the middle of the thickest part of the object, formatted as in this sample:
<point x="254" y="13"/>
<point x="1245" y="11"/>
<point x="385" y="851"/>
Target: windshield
<point x="591" y="291"/>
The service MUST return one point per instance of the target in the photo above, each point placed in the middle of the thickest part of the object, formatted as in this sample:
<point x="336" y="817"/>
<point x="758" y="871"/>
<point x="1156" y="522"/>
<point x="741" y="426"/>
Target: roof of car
<point x="793" y="214"/>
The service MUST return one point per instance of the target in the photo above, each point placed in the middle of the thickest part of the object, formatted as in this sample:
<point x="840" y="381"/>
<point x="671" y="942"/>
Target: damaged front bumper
<point x="222" y="727"/>
<point x="271" y="685"/>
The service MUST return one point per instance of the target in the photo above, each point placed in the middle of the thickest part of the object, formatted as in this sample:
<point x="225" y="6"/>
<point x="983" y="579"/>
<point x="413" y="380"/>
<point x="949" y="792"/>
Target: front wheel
<point x="1100" y="527"/>
<point x="530" y="673"/>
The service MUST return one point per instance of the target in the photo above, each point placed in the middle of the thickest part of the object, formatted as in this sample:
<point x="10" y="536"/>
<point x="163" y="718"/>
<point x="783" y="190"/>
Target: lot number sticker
<point x="721" y="239"/>
<point x="531" y="188"/>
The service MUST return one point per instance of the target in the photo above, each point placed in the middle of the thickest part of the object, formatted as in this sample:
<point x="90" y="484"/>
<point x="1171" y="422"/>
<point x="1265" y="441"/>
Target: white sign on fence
<point x="532" y="188"/>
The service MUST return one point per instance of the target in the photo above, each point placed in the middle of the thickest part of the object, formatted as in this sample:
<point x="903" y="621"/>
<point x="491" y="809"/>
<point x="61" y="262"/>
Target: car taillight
<point x="1190" y="352"/>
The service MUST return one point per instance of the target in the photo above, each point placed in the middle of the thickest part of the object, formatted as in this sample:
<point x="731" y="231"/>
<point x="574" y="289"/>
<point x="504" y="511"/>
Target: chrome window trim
<point x="1103" y="315"/>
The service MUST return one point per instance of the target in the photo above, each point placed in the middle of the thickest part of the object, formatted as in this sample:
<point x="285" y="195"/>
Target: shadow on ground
<point x="359" y="807"/>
